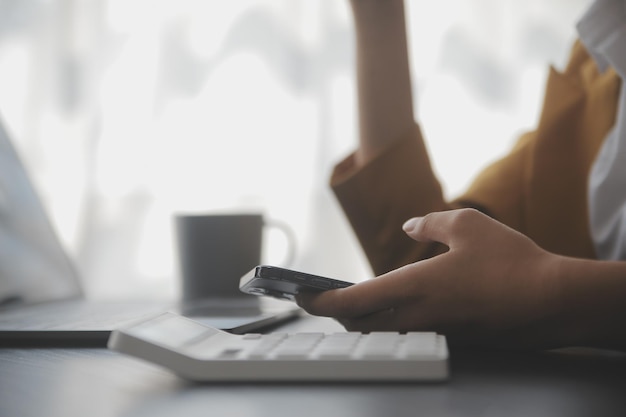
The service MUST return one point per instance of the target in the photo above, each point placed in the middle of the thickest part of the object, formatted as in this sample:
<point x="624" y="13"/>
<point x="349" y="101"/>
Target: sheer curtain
<point x="129" y="111"/>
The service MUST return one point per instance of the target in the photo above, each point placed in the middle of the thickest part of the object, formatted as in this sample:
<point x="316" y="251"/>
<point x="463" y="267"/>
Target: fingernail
<point x="410" y="224"/>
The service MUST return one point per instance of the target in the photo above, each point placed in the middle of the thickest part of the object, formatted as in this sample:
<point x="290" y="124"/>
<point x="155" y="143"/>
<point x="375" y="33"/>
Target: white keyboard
<point x="201" y="353"/>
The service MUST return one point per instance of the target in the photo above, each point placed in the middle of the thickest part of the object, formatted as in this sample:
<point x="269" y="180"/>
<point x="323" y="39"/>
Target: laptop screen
<point x="33" y="264"/>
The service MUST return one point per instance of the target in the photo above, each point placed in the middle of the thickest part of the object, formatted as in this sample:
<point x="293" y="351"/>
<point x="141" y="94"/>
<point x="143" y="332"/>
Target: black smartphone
<point x="285" y="283"/>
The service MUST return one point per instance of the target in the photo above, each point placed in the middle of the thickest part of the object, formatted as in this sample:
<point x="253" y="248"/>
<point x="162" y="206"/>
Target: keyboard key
<point x="379" y="345"/>
<point x="420" y="344"/>
<point x="337" y="346"/>
<point x="297" y="346"/>
<point x="266" y="344"/>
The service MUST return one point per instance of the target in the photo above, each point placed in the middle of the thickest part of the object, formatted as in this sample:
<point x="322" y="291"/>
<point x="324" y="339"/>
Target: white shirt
<point x="603" y="31"/>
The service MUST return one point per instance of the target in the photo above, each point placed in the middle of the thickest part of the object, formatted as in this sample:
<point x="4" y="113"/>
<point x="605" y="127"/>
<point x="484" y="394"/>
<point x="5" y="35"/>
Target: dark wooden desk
<point x="96" y="382"/>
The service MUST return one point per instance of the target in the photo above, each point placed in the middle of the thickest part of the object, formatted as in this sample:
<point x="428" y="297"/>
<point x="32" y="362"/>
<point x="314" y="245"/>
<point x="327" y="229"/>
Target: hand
<point x="492" y="287"/>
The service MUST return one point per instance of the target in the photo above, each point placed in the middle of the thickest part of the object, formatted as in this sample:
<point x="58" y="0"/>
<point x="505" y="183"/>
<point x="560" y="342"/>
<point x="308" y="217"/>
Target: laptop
<point x="42" y="302"/>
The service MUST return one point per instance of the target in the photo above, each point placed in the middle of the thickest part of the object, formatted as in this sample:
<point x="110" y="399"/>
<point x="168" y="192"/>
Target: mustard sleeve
<point x="538" y="188"/>
<point x="379" y="197"/>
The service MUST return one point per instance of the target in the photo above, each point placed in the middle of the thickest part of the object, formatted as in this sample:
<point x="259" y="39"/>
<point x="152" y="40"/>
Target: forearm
<point x="592" y="301"/>
<point x="383" y="74"/>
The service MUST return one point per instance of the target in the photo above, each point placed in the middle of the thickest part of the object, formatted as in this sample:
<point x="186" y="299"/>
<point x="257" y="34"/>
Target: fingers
<point x="385" y="320"/>
<point x="345" y="302"/>
<point x="399" y="319"/>
<point x="375" y="295"/>
<point x="390" y="319"/>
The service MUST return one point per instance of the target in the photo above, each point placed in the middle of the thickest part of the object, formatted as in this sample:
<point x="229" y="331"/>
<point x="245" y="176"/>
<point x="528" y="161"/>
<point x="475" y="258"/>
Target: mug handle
<point x="291" y="239"/>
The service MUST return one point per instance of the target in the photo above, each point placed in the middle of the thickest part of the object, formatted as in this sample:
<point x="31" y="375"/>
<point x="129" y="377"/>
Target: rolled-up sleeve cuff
<point x="380" y="196"/>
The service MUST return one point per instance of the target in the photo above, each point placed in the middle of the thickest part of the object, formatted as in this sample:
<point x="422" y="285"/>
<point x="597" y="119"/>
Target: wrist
<point x="589" y="302"/>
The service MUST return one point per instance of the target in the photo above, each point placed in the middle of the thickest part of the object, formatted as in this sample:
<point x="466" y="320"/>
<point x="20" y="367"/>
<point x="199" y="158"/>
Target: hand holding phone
<point x="285" y="283"/>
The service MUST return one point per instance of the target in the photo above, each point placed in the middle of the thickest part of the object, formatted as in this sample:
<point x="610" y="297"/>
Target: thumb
<point x="447" y="227"/>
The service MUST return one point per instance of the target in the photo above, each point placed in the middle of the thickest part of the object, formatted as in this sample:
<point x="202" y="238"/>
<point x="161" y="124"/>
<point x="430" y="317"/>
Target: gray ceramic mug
<point x="216" y="250"/>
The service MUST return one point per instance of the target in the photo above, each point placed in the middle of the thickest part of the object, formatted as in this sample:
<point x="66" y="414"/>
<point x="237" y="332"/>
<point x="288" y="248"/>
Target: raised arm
<point x="383" y="75"/>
